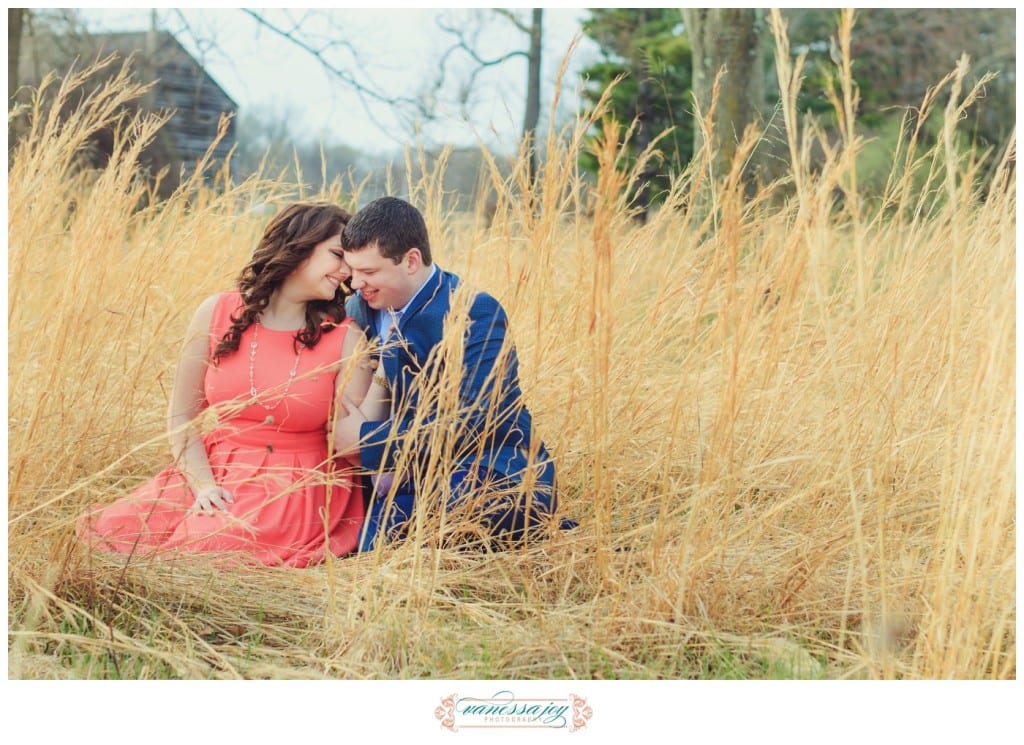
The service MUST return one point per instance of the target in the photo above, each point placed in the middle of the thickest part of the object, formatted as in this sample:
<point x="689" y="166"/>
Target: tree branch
<point x="510" y="16"/>
<point x="467" y="44"/>
<point x="365" y="92"/>
<point x="462" y="45"/>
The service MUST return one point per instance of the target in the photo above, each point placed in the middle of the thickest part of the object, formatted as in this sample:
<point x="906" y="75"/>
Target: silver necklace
<point x="253" y="345"/>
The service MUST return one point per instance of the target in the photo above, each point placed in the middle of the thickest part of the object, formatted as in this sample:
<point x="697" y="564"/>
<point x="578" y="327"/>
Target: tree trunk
<point x="532" y="115"/>
<point x="643" y="115"/>
<point x="730" y="38"/>
<point x="14" y="19"/>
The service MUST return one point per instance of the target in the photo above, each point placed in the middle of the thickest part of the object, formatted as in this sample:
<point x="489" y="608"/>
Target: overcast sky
<point x="399" y="48"/>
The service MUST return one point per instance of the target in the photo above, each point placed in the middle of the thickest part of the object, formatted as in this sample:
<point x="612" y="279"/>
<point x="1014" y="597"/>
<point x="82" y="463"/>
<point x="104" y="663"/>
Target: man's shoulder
<point x="485" y="303"/>
<point x="479" y="302"/>
<point x="453" y="282"/>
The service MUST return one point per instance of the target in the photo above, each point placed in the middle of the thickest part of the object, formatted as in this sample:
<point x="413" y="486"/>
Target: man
<point x="479" y="444"/>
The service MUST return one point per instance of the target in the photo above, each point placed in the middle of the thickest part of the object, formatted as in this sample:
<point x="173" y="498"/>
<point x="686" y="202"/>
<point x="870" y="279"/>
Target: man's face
<point x="382" y="282"/>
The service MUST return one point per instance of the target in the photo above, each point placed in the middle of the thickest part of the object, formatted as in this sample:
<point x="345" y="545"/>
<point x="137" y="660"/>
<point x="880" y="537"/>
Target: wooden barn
<point x="183" y="87"/>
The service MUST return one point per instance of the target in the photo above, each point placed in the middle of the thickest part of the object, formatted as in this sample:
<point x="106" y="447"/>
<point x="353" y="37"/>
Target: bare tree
<point x="467" y="44"/>
<point x="532" y="115"/>
<point x="331" y="39"/>
<point x="322" y="35"/>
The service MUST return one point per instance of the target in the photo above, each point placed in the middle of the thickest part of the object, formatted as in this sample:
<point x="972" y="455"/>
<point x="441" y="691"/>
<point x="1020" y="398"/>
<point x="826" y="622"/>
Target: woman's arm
<point x="188" y="400"/>
<point x="360" y="394"/>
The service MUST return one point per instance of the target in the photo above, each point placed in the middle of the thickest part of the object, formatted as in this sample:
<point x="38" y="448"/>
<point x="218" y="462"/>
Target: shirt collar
<point x="396" y="315"/>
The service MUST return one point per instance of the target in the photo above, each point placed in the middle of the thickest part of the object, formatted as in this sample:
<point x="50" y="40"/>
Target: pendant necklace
<point x="253" y="345"/>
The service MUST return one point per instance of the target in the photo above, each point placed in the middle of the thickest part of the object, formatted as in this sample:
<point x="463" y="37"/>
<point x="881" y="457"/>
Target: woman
<point x="270" y="358"/>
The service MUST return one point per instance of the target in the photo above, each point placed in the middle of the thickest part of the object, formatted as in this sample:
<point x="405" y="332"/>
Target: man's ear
<point x="413" y="260"/>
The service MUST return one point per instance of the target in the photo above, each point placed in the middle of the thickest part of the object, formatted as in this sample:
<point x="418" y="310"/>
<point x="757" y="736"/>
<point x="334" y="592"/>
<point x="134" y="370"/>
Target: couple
<point x="288" y="473"/>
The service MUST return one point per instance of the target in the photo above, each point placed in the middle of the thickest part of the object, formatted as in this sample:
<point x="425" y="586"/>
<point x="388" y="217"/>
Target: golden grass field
<point x="796" y="409"/>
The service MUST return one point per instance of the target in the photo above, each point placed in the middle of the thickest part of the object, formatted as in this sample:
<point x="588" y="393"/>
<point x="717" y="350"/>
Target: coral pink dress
<point x="291" y="501"/>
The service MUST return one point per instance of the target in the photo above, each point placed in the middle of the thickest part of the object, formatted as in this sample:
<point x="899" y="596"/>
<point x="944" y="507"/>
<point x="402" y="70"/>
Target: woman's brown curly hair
<point x="288" y="240"/>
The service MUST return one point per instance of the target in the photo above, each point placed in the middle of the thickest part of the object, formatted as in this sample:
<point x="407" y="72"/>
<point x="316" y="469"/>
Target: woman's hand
<point x="210" y="498"/>
<point x="347" y="428"/>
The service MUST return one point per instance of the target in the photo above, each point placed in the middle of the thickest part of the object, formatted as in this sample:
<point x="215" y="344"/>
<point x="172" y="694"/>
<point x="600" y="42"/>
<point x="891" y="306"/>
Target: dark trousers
<point x="493" y="501"/>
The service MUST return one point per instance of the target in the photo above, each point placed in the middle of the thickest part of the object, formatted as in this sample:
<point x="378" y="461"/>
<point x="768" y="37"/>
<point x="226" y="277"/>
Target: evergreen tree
<point x="648" y="47"/>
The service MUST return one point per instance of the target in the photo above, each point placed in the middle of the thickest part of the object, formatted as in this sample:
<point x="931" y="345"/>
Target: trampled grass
<point x="785" y="423"/>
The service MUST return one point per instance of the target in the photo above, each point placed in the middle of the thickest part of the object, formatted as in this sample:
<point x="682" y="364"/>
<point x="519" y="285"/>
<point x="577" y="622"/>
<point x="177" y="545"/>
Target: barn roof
<point x="157" y="54"/>
<point x="161" y="47"/>
<point x="183" y="85"/>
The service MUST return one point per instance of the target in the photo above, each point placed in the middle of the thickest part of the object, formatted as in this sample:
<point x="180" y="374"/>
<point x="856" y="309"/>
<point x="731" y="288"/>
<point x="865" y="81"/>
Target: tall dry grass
<point x="785" y="423"/>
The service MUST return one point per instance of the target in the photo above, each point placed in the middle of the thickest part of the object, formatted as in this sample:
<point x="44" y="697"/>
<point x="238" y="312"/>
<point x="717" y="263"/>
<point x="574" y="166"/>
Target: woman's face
<point x="319" y="276"/>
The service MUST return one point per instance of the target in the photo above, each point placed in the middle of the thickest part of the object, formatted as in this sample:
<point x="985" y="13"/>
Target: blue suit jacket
<point x="495" y="429"/>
